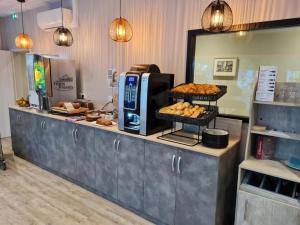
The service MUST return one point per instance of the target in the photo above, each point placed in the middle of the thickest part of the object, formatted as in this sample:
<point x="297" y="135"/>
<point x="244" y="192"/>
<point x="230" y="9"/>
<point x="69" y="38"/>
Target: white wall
<point x="6" y="90"/>
<point x="160" y="34"/>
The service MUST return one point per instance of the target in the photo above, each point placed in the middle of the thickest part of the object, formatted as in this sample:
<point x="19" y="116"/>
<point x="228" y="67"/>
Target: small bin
<point x="255" y="179"/>
<point x="286" y="188"/>
<point x="270" y="183"/>
<point x="297" y="192"/>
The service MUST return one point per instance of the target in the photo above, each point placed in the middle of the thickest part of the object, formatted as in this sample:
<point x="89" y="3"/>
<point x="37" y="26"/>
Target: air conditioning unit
<point x="51" y="19"/>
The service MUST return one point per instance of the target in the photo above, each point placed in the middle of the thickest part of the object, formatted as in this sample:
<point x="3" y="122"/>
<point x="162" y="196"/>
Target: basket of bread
<point x="200" y="92"/>
<point x="186" y="112"/>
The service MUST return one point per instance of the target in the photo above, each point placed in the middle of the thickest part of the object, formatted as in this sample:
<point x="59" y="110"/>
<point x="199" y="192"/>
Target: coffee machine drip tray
<point x="132" y="121"/>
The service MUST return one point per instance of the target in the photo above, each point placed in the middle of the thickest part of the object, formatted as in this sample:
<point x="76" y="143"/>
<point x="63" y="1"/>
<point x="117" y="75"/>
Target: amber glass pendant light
<point x="62" y="36"/>
<point x="217" y="17"/>
<point x="120" y="29"/>
<point x="23" y="40"/>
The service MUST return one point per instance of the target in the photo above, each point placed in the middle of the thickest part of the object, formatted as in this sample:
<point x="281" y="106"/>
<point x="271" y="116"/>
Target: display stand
<point x="180" y="135"/>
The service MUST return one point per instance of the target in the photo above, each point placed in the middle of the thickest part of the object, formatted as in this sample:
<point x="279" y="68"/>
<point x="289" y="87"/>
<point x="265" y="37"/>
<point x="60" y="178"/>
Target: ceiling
<point x="9" y="6"/>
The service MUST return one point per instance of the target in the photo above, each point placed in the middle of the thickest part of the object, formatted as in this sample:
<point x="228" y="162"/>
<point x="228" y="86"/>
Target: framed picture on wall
<point x="225" y="67"/>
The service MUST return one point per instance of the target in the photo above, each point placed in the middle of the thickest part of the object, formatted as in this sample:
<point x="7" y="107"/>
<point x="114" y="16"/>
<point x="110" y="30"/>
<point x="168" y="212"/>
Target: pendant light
<point x="120" y="29"/>
<point x="217" y="17"/>
<point x="23" y="40"/>
<point x="62" y="36"/>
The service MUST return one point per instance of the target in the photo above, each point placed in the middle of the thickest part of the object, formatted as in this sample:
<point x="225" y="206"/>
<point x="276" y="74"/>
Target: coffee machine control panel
<point x="131" y="91"/>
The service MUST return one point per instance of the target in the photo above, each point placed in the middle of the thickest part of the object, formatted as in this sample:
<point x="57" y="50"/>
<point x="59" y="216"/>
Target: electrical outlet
<point x="82" y="95"/>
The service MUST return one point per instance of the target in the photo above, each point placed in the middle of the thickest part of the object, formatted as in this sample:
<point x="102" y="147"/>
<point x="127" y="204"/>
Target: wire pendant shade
<point x="23" y="40"/>
<point x="120" y="29"/>
<point x="62" y="36"/>
<point x="217" y="17"/>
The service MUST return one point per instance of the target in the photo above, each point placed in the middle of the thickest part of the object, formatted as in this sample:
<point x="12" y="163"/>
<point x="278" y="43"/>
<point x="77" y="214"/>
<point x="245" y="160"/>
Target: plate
<point x="293" y="163"/>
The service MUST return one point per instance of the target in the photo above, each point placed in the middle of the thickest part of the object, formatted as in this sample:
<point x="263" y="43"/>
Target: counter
<point x="233" y="141"/>
<point x="164" y="182"/>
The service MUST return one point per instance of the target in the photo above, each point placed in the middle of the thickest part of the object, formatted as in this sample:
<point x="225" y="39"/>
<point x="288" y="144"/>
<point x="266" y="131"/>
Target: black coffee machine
<point x="142" y="91"/>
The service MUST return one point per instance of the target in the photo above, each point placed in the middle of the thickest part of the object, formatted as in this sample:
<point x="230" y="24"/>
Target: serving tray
<point x="199" y="97"/>
<point x="203" y="120"/>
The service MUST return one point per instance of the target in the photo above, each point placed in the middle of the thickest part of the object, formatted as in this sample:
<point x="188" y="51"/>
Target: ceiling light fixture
<point x="62" y="36"/>
<point x="120" y="29"/>
<point x="217" y="17"/>
<point x="23" y="40"/>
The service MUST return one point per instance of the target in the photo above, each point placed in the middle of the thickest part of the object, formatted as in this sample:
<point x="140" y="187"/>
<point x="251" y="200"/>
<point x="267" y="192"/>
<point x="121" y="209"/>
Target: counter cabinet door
<point x="66" y="150"/>
<point x="160" y="182"/>
<point x="131" y="152"/>
<point x="106" y="163"/>
<point x="256" y="210"/>
<point x="85" y="155"/>
<point x="21" y="132"/>
<point x="43" y="141"/>
<point x="196" y="189"/>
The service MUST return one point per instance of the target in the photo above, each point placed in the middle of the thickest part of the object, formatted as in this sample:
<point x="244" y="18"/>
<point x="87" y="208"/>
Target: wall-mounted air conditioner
<point x="51" y="19"/>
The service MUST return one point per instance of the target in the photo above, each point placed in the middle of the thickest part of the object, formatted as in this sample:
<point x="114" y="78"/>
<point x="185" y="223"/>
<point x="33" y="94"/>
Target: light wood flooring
<point x="32" y="196"/>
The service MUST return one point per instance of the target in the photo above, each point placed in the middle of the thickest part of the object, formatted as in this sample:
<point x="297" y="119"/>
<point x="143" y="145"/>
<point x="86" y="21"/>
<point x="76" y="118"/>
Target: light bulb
<point x="121" y="32"/>
<point x="217" y="18"/>
<point x="63" y="37"/>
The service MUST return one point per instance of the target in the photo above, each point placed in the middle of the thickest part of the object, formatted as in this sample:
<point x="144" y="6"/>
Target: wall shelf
<point x="278" y="134"/>
<point x="272" y="168"/>
<point x="287" y="104"/>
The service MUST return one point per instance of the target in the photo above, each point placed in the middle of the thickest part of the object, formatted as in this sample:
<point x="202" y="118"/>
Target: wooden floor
<point x="32" y="196"/>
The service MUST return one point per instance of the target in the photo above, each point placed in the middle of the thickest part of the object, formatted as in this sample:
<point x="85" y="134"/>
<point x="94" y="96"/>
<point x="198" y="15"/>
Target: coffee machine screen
<point x="131" y="91"/>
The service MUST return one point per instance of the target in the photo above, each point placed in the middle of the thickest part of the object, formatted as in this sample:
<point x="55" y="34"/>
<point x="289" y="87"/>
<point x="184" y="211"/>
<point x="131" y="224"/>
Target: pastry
<point x="202" y="89"/>
<point x="104" y="122"/>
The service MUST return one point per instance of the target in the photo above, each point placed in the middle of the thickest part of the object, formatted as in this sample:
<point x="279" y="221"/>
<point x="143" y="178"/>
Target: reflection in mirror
<point x="215" y="54"/>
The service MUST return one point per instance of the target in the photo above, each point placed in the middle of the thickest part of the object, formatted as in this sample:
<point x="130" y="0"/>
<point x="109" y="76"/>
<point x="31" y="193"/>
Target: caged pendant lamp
<point x="120" y="29"/>
<point x="23" y="40"/>
<point x="217" y="17"/>
<point x="62" y="36"/>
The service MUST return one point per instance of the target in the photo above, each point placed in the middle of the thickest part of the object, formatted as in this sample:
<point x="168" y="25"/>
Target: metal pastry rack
<point x="180" y="135"/>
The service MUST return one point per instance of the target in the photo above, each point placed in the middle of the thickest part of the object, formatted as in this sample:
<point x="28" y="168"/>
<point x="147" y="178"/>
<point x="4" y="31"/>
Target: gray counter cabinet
<point x="180" y="186"/>
<point x="131" y="153"/>
<point x="84" y="152"/>
<point x="196" y="189"/>
<point x="65" y="159"/>
<point x="160" y="182"/>
<point x="106" y="163"/>
<point x="44" y="139"/>
<point x="169" y="185"/>
<point x="120" y="168"/>
<point x="21" y="133"/>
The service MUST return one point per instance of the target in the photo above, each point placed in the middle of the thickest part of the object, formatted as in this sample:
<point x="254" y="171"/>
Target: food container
<point x="215" y="138"/>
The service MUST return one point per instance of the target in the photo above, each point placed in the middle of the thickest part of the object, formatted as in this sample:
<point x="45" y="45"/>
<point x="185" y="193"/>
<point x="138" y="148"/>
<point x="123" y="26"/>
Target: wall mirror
<point x="233" y="59"/>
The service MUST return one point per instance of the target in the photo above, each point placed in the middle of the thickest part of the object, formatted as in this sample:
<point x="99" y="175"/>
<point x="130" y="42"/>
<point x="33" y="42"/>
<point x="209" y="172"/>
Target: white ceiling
<point x="9" y="6"/>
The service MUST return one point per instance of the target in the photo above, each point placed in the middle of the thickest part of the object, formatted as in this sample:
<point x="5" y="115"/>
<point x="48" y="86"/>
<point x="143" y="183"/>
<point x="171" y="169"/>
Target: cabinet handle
<point x="179" y="165"/>
<point x="118" y="145"/>
<point x="41" y="125"/>
<point x="76" y="135"/>
<point x="114" y="146"/>
<point x="73" y="134"/>
<point x="246" y="211"/>
<point x="44" y="124"/>
<point x="173" y="163"/>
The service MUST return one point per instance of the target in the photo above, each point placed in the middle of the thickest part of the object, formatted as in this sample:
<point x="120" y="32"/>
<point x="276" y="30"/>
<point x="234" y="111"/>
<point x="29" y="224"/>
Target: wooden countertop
<point x="233" y="141"/>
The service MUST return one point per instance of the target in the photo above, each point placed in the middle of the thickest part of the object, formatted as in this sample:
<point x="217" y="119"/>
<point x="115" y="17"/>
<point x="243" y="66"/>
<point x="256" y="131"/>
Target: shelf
<point x="272" y="168"/>
<point x="287" y="104"/>
<point x="279" y="134"/>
